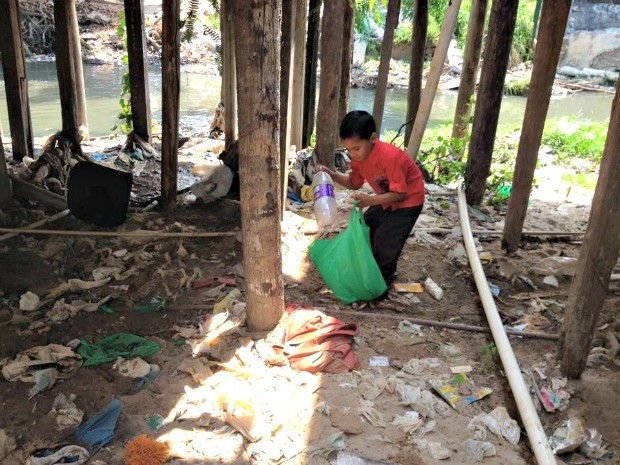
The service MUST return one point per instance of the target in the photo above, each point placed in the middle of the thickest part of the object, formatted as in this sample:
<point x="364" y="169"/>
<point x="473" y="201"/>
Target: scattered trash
<point x="415" y="288"/>
<point x="99" y="430"/>
<point x="227" y="302"/>
<point x="421" y="400"/>
<point x="435" y="449"/>
<point x="337" y="441"/>
<point x="416" y="366"/>
<point x="407" y="327"/>
<point x="556" y="266"/>
<point x="478" y="450"/>
<point x="462" y="369"/>
<point x="409" y="422"/>
<point x="25" y="364"/>
<point x="66" y="412"/>
<point x="7" y="444"/>
<point x="111" y="347"/>
<point x="552" y="398"/>
<point x="369" y="412"/>
<point x="570" y="436"/>
<point x="529" y="282"/>
<point x="134" y="368"/>
<point x="433" y="289"/>
<point x="379" y="361"/>
<point x="551" y="281"/>
<point x="495" y="290"/>
<point x="346" y="421"/>
<point x="155" y="421"/>
<point x="43" y="379"/>
<point x="152" y="304"/>
<point x="371" y="384"/>
<point x="459" y="254"/>
<point x="347" y="458"/>
<point x="74" y="285"/>
<point x="215" y="281"/>
<point x="450" y="391"/>
<point x="594" y="447"/>
<point x="29" y="302"/>
<point x="215" y="184"/>
<point x="198" y="368"/>
<point x="499" y="423"/>
<point x="485" y="256"/>
<point x="143" y="450"/>
<point x="68" y="454"/>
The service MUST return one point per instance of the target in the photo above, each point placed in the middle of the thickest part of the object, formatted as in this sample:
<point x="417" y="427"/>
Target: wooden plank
<point x="80" y="88"/>
<point x="299" y="67"/>
<point x="5" y="183"/>
<point x="490" y="92"/>
<point x="598" y="255"/>
<point x="15" y="81"/>
<point x="171" y="71"/>
<point x="550" y="38"/>
<point x="229" y="73"/>
<point x="138" y="72"/>
<point x="312" y="53"/>
<point x="348" y="38"/>
<point x="416" y="66"/>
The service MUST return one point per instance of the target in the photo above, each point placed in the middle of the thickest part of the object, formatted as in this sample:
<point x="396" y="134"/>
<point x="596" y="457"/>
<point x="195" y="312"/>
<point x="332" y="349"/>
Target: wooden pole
<point x="598" y="255"/>
<point x="66" y="69"/>
<point x="138" y="72"/>
<point x="432" y="80"/>
<point x="5" y="182"/>
<point x="551" y="35"/>
<point x="391" y="23"/>
<point x="329" y="93"/>
<point x="299" y="71"/>
<point x="229" y="73"/>
<point x="347" y="60"/>
<point x="170" y="58"/>
<point x="312" y="53"/>
<point x="469" y="73"/>
<point x="258" y="71"/>
<point x="80" y="88"/>
<point x="15" y="81"/>
<point x="287" y="58"/>
<point x="490" y="91"/>
<point x="416" y="66"/>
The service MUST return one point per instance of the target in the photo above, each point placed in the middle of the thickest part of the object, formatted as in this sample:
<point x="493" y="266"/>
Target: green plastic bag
<point x="346" y="262"/>
<point x="111" y="347"/>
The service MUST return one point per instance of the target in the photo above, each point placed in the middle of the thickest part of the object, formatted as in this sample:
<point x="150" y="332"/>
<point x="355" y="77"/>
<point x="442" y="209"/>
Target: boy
<point x="396" y="180"/>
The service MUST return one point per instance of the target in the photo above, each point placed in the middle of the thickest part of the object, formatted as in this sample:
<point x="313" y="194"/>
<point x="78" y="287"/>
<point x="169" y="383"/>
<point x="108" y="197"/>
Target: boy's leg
<point x="373" y="218"/>
<point x="390" y="237"/>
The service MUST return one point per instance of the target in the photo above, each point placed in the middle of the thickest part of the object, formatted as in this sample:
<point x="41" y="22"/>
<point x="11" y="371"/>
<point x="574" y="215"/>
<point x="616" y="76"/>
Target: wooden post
<point x="170" y="58"/>
<point x="490" y="92"/>
<point x="432" y="80"/>
<point x="287" y="57"/>
<point x="5" y="182"/>
<point x="416" y="66"/>
<point x="598" y="255"/>
<point x="551" y="35"/>
<point x="15" y="81"/>
<point x="299" y="67"/>
<point x="258" y="69"/>
<point x="138" y="72"/>
<point x="391" y="23"/>
<point x="312" y="53"/>
<point x="229" y="74"/>
<point x="65" y="68"/>
<point x="329" y="94"/>
<point x="347" y="60"/>
<point x="80" y="88"/>
<point x="469" y="73"/>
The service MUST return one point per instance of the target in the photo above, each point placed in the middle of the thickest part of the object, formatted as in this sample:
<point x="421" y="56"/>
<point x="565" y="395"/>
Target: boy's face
<point x="359" y="149"/>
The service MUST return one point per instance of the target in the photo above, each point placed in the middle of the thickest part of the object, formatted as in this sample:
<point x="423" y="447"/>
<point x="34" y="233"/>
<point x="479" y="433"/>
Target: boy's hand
<point x="364" y="200"/>
<point x="324" y="169"/>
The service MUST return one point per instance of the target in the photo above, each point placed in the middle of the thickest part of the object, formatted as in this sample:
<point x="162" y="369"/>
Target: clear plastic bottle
<point x="325" y="206"/>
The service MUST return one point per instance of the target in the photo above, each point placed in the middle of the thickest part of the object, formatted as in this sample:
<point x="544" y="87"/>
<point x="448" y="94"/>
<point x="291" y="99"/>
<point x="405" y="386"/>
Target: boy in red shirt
<point x="396" y="180"/>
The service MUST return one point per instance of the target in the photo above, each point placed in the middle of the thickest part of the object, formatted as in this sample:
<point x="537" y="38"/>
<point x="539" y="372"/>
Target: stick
<point x="36" y="224"/>
<point x="151" y="234"/>
<point x="483" y="232"/>
<point x="582" y="87"/>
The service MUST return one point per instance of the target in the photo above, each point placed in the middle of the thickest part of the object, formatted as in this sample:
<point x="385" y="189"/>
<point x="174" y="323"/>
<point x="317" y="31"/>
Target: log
<point x="550" y="37"/>
<point x="598" y="256"/>
<point x="171" y="71"/>
<point x="229" y="74"/>
<point x="29" y="191"/>
<point x="15" y="81"/>
<point x="138" y="72"/>
<point x="347" y="60"/>
<point x="299" y="67"/>
<point x="490" y="92"/>
<point x="416" y="66"/>
<point x="312" y="53"/>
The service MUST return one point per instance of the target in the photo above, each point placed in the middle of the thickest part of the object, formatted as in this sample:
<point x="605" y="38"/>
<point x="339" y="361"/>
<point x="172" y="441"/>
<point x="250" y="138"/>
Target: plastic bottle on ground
<point x="325" y="207"/>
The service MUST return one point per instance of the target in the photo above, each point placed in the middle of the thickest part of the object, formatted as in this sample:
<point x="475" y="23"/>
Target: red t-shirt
<point x="390" y="169"/>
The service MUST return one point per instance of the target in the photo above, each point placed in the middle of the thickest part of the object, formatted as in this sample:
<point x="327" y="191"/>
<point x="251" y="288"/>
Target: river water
<point x="200" y="95"/>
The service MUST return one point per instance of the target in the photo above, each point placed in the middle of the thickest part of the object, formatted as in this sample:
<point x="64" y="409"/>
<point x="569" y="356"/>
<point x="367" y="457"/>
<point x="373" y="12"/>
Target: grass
<point x="570" y="137"/>
<point x="519" y="86"/>
<point x="585" y="180"/>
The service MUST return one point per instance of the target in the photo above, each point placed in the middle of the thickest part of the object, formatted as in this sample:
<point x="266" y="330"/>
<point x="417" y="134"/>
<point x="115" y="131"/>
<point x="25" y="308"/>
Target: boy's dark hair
<point x="357" y="123"/>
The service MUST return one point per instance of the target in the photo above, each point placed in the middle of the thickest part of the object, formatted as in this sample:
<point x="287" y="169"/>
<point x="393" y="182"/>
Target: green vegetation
<point x="519" y="86"/>
<point x="571" y="137"/>
<point x="124" y="101"/>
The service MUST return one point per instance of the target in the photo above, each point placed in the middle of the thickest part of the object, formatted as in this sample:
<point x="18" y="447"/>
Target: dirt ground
<point x="319" y="406"/>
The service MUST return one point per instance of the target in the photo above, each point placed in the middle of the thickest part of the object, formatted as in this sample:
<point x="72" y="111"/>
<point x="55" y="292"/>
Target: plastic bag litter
<point x="417" y="366"/>
<point x="435" y="449"/>
<point x="7" y="444"/>
<point x="427" y="428"/>
<point x="26" y="362"/>
<point x="66" y="412"/>
<point x="197" y="368"/>
<point x="570" y="436"/>
<point x="242" y="416"/>
<point x="346" y="458"/>
<point x="134" y="368"/>
<point x="409" y="422"/>
<point x="594" y="447"/>
<point x="421" y="400"/>
<point x="74" y="285"/>
<point x="111" y="347"/>
<point x="336" y="441"/>
<point x="99" y="430"/>
<point x="478" y="450"/>
<point x="371" y="384"/>
<point x="68" y="454"/>
<point x="43" y="379"/>
<point x="499" y="423"/>
<point x="29" y="302"/>
<point x="367" y="410"/>
<point x="556" y="266"/>
<point x="407" y="327"/>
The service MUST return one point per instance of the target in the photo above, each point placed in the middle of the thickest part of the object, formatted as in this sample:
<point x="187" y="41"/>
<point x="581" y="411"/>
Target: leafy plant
<point x="124" y="101"/>
<point x="571" y="137"/>
<point x="519" y="86"/>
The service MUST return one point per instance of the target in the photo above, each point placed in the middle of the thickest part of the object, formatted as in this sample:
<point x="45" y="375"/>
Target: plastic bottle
<point x="325" y="206"/>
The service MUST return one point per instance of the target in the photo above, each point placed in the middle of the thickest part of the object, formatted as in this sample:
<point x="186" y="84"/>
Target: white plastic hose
<point x="531" y="422"/>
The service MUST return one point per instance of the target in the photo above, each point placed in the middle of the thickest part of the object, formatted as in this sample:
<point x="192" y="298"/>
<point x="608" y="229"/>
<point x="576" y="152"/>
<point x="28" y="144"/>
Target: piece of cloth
<point x="29" y="361"/>
<point x="389" y="230"/>
<point x="315" y="342"/>
<point x="111" y="347"/>
<point x="99" y="430"/>
<point x="67" y="454"/>
<point x="390" y="169"/>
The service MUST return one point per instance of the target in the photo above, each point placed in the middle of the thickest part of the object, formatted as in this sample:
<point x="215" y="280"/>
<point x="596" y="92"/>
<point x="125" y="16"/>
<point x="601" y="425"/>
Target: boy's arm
<point x="365" y="200"/>
<point x="343" y="179"/>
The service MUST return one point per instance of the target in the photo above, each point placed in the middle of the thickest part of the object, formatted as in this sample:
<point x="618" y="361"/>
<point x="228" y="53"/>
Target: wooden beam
<point x="432" y="80"/>
<point x="138" y="71"/>
<point x="312" y="53"/>
<point x="550" y="38"/>
<point x="416" y="66"/>
<point x="171" y="74"/>
<point x="391" y="22"/>
<point x="490" y="92"/>
<point x="258" y="71"/>
<point x="598" y="256"/>
<point x="329" y="93"/>
<point x="15" y="81"/>
<point x="299" y="67"/>
<point x="80" y="88"/>
<point x="229" y="74"/>
<point x="469" y="72"/>
<point x="287" y="57"/>
<point x="64" y="13"/>
<point x="5" y="183"/>
<point x="348" y="38"/>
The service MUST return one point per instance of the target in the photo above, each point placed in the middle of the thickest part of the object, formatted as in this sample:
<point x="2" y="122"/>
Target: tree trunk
<point x="469" y="73"/>
<point x="80" y="88"/>
<point x="258" y="69"/>
<point x="171" y="71"/>
<point x="416" y="67"/>
<point x="490" y="91"/>
<point x="299" y="67"/>
<point x="391" y="23"/>
<point x="15" y="81"/>
<point x="432" y="80"/>
<point x="5" y="182"/>
<point x="551" y="35"/>
<point x="138" y="73"/>
<point x="598" y="255"/>
<point x="312" y="53"/>
<point x="229" y="74"/>
<point x="287" y="57"/>
<point x="347" y="60"/>
<point x="329" y="94"/>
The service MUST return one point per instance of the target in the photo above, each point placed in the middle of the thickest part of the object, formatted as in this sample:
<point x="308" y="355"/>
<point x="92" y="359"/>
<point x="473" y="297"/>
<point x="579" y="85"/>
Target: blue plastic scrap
<point x="99" y="430"/>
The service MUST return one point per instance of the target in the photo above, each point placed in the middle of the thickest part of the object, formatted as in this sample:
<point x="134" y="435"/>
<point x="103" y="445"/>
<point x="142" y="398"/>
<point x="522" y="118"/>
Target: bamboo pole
<point x="229" y="74"/>
<point x="416" y="66"/>
<point x="312" y="53"/>
<point x="299" y="71"/>
<point x="36" y="224"/>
